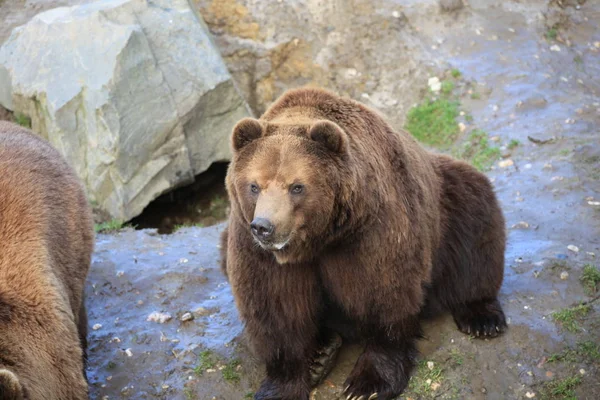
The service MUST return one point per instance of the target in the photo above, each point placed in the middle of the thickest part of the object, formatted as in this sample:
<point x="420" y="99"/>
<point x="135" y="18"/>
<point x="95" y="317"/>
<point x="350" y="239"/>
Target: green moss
<point x="206" y="360"/>
<point x="469" y="118"/>
<point x="110" y="226"/>
<point x="513" y="143"/>
<point x="475" y="96"/>
<point x="22" y="120"/>
<point x="457" y="357"/>
<point x="551" y="34"/>
<point x="569" y="317"/>
<point x="421" y="382"/>
<point x="587" y="350"/>
<point x="590" y="279"/>
<point x="447" y="87"/>
<point x="478" y="151"/>
<point x="455" y="73"/>
<point x="562" y="388"/>
<point x="230" y="373"/>
<point x="433" y="122"/>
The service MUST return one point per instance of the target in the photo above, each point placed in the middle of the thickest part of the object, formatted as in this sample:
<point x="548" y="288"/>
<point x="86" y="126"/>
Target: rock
<point x="555" y="47"/>
<point x="139" y="104"/>
<point x="159" y="317"/>
<point x="505" y="163"/>
<point x="96" y="326"/>
<point x="434" y="84"/>
<point x="451" y="5"/>
<point x="573" y="248"/>
<point x="530" y="395"/>
<point x="188" y="316"/>
<point x="564" y="275"/>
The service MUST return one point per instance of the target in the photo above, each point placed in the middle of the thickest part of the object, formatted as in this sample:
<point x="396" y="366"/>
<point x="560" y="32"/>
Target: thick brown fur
<point x="46" y="241"/>
<point x="338" y="222"/>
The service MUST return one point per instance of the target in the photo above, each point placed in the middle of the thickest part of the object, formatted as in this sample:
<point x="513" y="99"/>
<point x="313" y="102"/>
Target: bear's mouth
<point x="275" y="247"/>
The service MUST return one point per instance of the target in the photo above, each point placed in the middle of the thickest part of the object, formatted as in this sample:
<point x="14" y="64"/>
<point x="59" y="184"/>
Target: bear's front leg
<point x="383" y="370"/>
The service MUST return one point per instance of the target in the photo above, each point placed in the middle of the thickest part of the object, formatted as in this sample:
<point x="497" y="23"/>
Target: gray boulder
<point x="132" y="92"/>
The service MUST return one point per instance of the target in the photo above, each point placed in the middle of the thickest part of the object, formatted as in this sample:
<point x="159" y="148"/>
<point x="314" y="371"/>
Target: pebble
<point x="96" y="326"/>
<point x="120" y="273"/>
<point x="461" y="127"/>
<point x="430" y="364"/>
<point x="548" y="166"/>
<point x="434" y="84"/>
<point x="549" y="374"/>
<point x="505" y="163"/>
<point x="564" y="275"/>
<point x="187" y="317"/>
<point x="521" y="225"/>
<point x="530" y="395"/>
<point x="589" y="253"/>
<point x="573" y="248"/>
<point x="129" y="353"/>
<point x="594" y="203"/>
<point x="183" y="260"/>
<point x="159" y="317"/>
<point x="528" y="166"/>
<point x="582" y="371"/>
<point x="555" y="48"/>
<point x="435" y="386"/>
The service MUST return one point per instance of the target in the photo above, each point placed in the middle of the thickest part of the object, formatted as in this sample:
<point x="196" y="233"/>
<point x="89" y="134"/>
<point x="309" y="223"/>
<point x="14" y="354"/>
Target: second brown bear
<point x="340" y="223"/>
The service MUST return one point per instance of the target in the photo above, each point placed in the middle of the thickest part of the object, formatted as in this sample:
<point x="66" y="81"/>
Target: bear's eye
<point x="297" y="188"/>
<point x="254" y="188"/>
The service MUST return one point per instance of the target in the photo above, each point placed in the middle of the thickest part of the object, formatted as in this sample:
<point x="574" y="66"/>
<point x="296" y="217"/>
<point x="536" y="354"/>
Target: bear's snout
<point x="262" y="229"/>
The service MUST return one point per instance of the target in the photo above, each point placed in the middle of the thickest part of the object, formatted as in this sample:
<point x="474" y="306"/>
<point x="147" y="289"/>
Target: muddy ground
<point x="532" y="78"/>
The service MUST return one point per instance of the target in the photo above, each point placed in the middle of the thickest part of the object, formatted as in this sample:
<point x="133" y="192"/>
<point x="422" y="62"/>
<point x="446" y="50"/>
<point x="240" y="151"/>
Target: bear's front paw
<point x="481" y="319"/>
<point x="367" y="382"/>
<point x="272" y="390"/>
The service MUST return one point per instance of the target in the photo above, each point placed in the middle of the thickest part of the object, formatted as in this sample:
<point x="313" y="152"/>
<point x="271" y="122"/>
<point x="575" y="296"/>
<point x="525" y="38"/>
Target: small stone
<point x="115" y="340"/>
<point x="582" y="371"/>
<point x="129" y="353"/>
<point x="597" y="45"/>
<point x="183" y="260"/>
<point x="435" y="386"/>
<point x="461" y="127"/>
<point x="527" y="166"/>
<point x="564" y="275"/>
<point x="555" y="47"/>
<point x="521" y="225"/>
<point x="589" y="253"/>
<point x="395" y="14"/>
<point x="201" y="311"/>
<point x="120" y="274"/>
<point x="96" y="326"/>
<point x="557" y="178"/>
<point x="495" y="138"/>
<point x="530" y="395"/>
<point x="549" y="374"/>
<point x="188" y="316"/>
<point x="428" y="381"/>
<point x="594" y="203"/>
<point x="165" y="386"/>
<point x="430" y="364"/>
<point x="159" y="317"/>
<point x="573" y="248"/>
<point x="548" y="166"/>
<point x="434" y="84"/>
<point x="529" y="373"/>
<point x="506" y="163"/>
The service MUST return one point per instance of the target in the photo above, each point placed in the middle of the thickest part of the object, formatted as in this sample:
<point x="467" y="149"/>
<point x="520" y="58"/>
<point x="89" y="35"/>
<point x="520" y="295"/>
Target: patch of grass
<point x="455" y="73"/>
<point x="590" y="279"/>
<point x="433" y="122"/>
<point x="551" y="34"/>
<point x="189" y="393"/>
<point x="469" y="118"/>
<point x="230" y="373"/>
<point x="421" y="382"/>
<point x="447" y="87"/>
<point x="478" y="151"/>
<point x="249" y="395"/>
<point x="109" y="226"/>
<point x="587" y="350"/>
<point x="569" y="317"/>
<point x="457" y="357"/>
<point x="513" y="143"/>
<point x="562" y="388"/>
<point x="475" y="96"/>
<point x="564" y="152"/>
<point x="178" y="227"/>
<point x="22" y="120"/>
<point x="206" y="361"/>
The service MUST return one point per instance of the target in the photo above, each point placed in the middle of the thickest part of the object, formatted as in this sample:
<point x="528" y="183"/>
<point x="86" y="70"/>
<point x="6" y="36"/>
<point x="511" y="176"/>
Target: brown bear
<point x="340" y="223"/>
<point x="46" y="235"/>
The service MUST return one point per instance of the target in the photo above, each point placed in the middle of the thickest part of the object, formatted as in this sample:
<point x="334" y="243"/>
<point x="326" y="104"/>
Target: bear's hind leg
<point x="482" y="318"/>
<point x="383" y="370"/>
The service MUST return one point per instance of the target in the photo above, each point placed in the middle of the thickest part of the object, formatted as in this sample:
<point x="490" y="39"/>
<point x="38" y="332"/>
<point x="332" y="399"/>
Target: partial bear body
<point x="46" y="239"/>
<point x="339" y="223"/>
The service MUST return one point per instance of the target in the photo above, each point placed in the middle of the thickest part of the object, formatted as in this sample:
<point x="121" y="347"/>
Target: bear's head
<point x="286" y="181"/>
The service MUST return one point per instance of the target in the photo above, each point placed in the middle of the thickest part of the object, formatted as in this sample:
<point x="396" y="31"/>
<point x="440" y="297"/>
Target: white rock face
<point x="132" y="92"/>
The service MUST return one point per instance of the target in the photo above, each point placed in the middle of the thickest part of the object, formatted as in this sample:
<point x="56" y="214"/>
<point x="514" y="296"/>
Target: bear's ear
<point x="245" y="131"/>
<point x="330" y="135"/>
<point x="10" y="387"/>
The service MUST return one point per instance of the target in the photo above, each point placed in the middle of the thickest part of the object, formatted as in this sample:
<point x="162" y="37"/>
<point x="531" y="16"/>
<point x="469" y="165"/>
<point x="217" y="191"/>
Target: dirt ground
<point x="163" y="324"/>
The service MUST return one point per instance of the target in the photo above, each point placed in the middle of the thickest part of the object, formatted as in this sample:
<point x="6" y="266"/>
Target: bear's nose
<point x="262" y="228"/>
